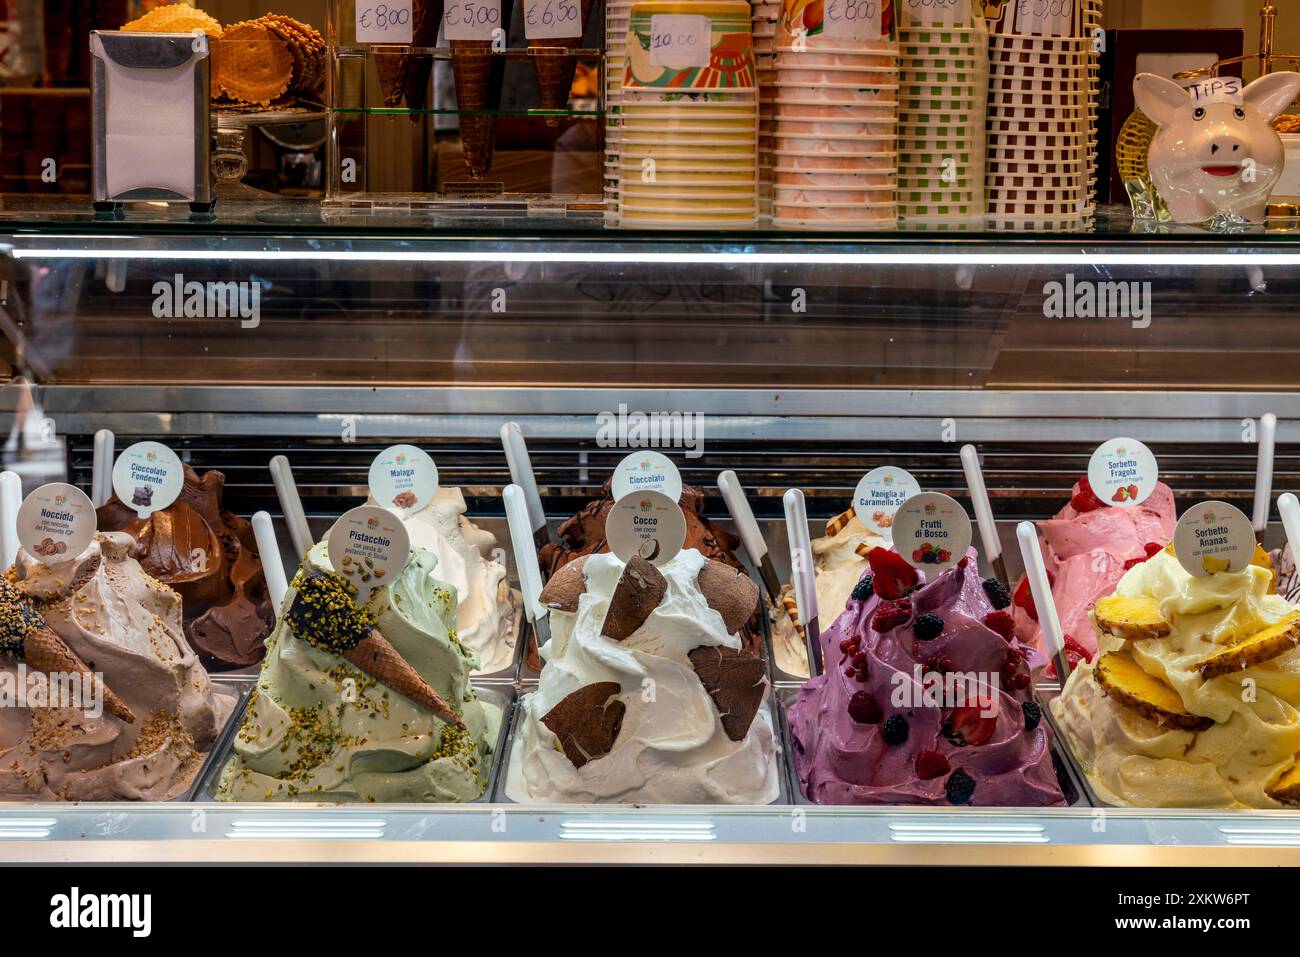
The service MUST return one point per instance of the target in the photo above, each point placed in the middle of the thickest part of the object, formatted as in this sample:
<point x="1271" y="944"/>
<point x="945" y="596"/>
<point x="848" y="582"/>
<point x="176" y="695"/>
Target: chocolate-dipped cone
<point x="426" y="17"/>
<point x="45" y="651"/>
<point x="24" y="636"/>
<point x="323" y="614"/>
<point x="389" y="68"/>
<point x="376" y="656"/>
<point x="555" y="68"/>
<point x="471" y="63"/>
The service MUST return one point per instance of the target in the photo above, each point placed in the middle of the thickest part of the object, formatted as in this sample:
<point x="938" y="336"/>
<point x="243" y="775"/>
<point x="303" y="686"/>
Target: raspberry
<point x="864" y="589"/>
<point x="891" y="614"/>
<point x="997" y="593"/>
<point x="927" y="627"/>
<point x="1001" y="622"/>
<point x="863" y="709"/>
<point x="931" y="764"/>
<point x="895" y="730"/>
<point x="960" y="787"/>
<point x="1033" y="714"/>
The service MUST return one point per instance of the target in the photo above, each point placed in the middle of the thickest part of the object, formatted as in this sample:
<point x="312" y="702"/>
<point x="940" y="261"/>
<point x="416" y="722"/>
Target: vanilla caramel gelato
<point x="1251" y="733"/>
<point x="127" y="626"/>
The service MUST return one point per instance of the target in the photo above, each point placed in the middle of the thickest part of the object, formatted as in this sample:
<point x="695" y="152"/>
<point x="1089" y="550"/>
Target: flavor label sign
<point x="649" y="524"/>
<point x="148" y="477"/>
<point x="384" y="22"/>
<point x="879" y="494"/>
<point x="56" y="522"/>
<point x="369" y="546"/>
<point x="647" y="471"/>
<point x="471" y="19"/>
<point x="404" y="478"/>
<point x="929" y="13"/>
<point x="679" y="41"/>
<point x="932" y="531"/>
<point x="1123" y="472"/>
<point x="1214" y="537"/>
<point x="553" y="20"/>
<point x="856" y="19"/>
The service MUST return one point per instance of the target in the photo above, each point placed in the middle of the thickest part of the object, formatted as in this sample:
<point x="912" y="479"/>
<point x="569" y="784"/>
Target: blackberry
<point x="1033" y="714"/>
<point x="960" y="787"/>
<point x="895" y="730"/>
<point x="864" y="589"/>
<point x="997" y="593"/>
<point x="927" y="627"/>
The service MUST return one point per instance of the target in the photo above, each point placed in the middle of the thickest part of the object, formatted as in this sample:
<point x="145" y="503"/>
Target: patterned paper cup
<point x="713" y="197"/>
<point x="824" y="179"/>
<point x="832" y="128"/>
<point x="836" y="144"/>
<point x="731" y="58"/>
<point x="810" y="75"/>
<point x="863" y="112"/>
<point x="838" y="162"/>
<point x="790" y="195"/>
<point x="822" y="58"/>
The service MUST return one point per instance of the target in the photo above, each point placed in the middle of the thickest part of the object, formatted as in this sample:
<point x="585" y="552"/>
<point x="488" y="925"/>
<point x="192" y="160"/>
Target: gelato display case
<point x="463" y="714"/>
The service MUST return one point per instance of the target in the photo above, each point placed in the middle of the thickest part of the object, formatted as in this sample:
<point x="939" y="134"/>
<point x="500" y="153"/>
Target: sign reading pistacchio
<point x="404" y="478"/>
<point x="148" y="477"/>
<point x="369" y="546"/>
<point x="56" y="522"/>
<point x="932" y="531"/>
<point x="1123" y="472"/>
<point x="1214" y="537"/>
<point x="647" y="471"/>
<point x="879" y="494"/>
<point x="649" y="524"/>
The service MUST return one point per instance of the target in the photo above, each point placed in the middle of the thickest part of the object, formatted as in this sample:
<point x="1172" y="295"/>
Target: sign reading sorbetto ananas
<point x="1214" y="537"/>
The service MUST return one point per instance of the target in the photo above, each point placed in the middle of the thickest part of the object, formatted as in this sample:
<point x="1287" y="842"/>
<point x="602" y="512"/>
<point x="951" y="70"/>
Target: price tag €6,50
<point x="553" y="19"/>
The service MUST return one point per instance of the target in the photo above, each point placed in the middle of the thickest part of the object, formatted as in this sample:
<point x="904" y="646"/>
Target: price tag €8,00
<point x="384" y="22"/>
<point x="680" y="41"/>
<point x="859" y="19"/>
<point x="471" y="19"/>
<point x="553" y="19"/>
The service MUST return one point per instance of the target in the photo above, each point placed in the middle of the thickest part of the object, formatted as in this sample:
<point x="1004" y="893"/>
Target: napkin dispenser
<point x="152" y="123"/>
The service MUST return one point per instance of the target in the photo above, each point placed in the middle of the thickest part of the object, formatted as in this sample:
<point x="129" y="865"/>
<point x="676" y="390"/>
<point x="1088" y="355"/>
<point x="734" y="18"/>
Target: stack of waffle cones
<point x="471" y="64"/>
<point x="555" y="66"/>
<point x="405" y="75"/>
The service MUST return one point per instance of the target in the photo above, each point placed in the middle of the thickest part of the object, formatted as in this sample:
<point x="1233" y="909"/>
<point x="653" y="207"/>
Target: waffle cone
<point x="174" y="18"/>
<point x="377" y="657"/>
<point x="840" y="522"/>
<point x="389" y="68"/>
<point x="471" y="64"/>
<point x="555" y="68"/>
<point x="415" y="67"/>
<point x="254" y="64"/>
<point x="791" y="607"/>
<point x="45" y="651"/>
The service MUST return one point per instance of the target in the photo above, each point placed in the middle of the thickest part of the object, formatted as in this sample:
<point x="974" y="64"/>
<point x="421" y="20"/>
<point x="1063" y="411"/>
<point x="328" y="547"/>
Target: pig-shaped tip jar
<point x="1216" y="153"/>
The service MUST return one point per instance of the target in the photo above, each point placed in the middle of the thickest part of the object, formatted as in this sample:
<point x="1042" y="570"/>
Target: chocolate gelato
<point x="209" y="556"/>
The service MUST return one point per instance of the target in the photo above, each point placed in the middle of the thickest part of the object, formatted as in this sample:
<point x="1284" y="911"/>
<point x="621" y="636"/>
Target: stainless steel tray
<point x="782" y="774"/>
<point x="501" y="694"/>
<point x="1067" y="775"/>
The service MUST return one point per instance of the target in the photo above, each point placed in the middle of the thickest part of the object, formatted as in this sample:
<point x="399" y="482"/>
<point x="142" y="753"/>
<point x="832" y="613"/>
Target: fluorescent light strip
<point x="970" y="839"/>
<point x="688" y="256"/>
<point x="632" y="835"/>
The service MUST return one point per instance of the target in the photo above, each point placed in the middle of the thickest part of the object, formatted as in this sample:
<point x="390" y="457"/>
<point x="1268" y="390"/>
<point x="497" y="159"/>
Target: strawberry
<point x="971" y="725"/>
<point x="1025" y="598"/>
<point x="1151" y="548"/>
<point x="918" y="555"/>
<point x="893" y="576"/>
<point x="891" y="614"/>
<point x="1132" y="562"/>
<point x="931" y="764"/>
<point x="1085" y="500"/>
<point x="1121" y="494"/>
<point x="944" y="555"/>
<point x="1001" y="622"/>
<point x="1132" y="491"/>
<point x="1074" y="653"/>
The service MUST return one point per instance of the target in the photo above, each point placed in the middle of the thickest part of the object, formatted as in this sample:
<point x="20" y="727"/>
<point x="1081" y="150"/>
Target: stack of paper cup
<point x="617" y="16"/>
<point x="1040" y="111"/>
<point x="689" y="117"/>
<point x="1092" y="28"/>
<point x="765" y="15"/>
<point x="943" y="75"/>
<point x="835" y="158"/>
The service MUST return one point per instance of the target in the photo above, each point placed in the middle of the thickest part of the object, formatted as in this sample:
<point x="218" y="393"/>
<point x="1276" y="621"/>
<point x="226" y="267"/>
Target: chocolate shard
<point x="735" y="680"/>
<point x="639" y="591"/>
<point x="729" y="592"/>
<point x="566" y="586"/>
<point x="587" y="722"/>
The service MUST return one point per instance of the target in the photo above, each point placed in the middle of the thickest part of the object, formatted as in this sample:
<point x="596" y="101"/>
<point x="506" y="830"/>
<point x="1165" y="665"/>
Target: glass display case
<point x="325" y="336"/>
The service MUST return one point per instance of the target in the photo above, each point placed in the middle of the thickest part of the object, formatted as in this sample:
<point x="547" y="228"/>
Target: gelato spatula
<point x="743" y="517"/>
<point x="801" y="576"/>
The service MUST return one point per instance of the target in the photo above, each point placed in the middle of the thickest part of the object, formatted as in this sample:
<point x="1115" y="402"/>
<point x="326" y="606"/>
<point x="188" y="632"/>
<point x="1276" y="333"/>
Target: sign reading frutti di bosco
<point x="932" y="531"/>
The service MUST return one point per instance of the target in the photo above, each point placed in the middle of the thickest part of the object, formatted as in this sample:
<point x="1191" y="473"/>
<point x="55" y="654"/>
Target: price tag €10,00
<point x="553" y="19"/>
<point x="929" y="13"/>
<point x="384" y="22"/>
<point x="679" y="41"/>
<point x="471" y="19"/>
<point x="859" y="19"/>
<point x="1045" y="18"/>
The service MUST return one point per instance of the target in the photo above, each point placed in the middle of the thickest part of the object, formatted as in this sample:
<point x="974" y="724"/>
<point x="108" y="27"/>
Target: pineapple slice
<point x="1286" y="788"/>
<point x="1124" y="680"/>
<point x="1214" y="565"/>
<point x="1261" y="559"/>
<point x="1131" y="618"/>
<point x="1276" y="639"/>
